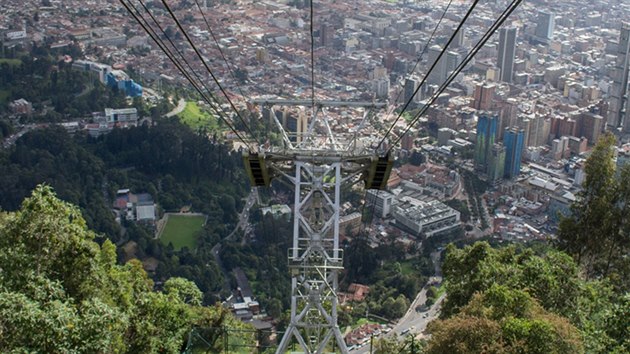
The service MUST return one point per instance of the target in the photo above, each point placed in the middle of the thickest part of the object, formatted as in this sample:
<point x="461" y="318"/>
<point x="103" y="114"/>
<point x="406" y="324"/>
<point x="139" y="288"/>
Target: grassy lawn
<point x="182" y="231"/>
<point x="12" y="62"/>
<point x="196" y="118"/>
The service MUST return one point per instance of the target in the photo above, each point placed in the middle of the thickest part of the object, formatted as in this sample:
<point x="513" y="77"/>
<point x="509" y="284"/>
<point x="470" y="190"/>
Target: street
<point x="414" y="322"/>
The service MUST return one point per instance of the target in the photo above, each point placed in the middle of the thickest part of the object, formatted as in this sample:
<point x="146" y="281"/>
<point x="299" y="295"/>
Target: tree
<point x="62" y="292"/>
<point x="597" y="233"/>
<point x="552" y="279"/>
<point x="503" y="320"/>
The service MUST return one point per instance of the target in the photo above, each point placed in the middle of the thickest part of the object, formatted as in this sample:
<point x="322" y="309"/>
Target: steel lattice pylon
<point x="317" y="164"/>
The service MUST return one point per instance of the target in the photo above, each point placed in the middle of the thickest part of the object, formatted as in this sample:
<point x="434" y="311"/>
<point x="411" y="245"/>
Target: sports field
<point x="182" y="230"/>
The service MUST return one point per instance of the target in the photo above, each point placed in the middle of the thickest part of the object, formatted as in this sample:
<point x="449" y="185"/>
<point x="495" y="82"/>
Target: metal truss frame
<point x="317" y="164"/>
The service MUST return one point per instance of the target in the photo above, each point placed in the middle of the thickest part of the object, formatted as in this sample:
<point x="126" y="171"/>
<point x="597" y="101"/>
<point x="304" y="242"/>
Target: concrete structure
<point x="350" y="224"/>
<point x="110" y="77"/>
<point x="411" y="84"/>
<point x="21" y="106"/>
<point x="384" y="201"/>
<point x="590" y="126"/>
<point x="381" y="87"/>
<point x="295" y="123"/>
<point x="496" y="163"/>
<point x="444" y="135"/>
<point x="545" y="25"/>
<point x="426" y="218"/>
<point x="507" y="51"/>
<point x="438" y="75"/>
<point x="129" y="115"/>
<point x="618" y="108"/>
<point x="484" y="96"/>
<point x="452" y="61"/>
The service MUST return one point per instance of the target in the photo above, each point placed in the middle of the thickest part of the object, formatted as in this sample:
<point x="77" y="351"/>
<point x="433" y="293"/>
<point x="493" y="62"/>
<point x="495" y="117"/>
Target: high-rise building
<point x="411" y="84"/>
<point x="526" y="124"/>
<point x="295" y="124"/>
<point x="326" y="35"/>
<point x="545" y="25"/>
<point x="567" y="127"/>
<point x="507" y="51"/>
<point x="381" y="87"/>
<point x="437" y="76"/>
<point x="591" y="126"/>
<point x="618" y="108"/>
<point x="539" y="130"/>
<point x="452" y="61"/>
<point x="458" y="41"/>
<point x="513" y="140"/>
<point x="484" y="97"/>
<point x="381" y="201"/>
<point x="486" y="137"/>
<point x="496" y="163"/>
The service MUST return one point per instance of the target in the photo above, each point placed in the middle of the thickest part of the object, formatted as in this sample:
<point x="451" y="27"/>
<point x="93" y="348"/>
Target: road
<point x="181" y="105"/>
<point x="243" y="223"/>
<point x="415" y="322"/>
<point x="13" y="138"/>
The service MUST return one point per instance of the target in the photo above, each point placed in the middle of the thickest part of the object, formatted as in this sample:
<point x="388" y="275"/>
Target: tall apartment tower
<point x="486" y="137"/>
<point x="618" y="108"/>
<point x="507" y="51"/>
<point x="438" y="75"/>
<point x="411" y="84"/>
<point x="545" y="25"/>
<point x="484" y="97"/>
<point x="496" y="163"/>
<point x="458" y="41"/>
<point x="513" y="140"/>
<point x="452" y="61"/>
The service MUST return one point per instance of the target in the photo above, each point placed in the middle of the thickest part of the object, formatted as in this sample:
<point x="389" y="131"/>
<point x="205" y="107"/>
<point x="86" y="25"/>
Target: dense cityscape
<point x="526" y="150"/>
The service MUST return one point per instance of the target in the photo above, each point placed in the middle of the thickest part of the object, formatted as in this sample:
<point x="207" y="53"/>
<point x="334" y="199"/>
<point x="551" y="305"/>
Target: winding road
<point x="414" y="322"/>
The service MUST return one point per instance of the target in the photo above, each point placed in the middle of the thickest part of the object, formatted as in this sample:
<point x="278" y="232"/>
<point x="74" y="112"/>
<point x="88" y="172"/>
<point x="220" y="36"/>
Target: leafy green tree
<point x="597" y="231"/>
<point x="503" y="320"/>
<point x="61" y="292"/>
<point x="552" y="279"/>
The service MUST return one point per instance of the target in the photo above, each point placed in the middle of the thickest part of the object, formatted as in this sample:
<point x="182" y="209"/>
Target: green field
<point x="12" y="62"/>
<point x="196" y="118"/>
<point x="182" y="230"/>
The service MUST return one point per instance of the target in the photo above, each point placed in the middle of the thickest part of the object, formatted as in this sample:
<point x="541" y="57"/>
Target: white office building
<point x="426" y="218"/>
<point x="383" y="200"/>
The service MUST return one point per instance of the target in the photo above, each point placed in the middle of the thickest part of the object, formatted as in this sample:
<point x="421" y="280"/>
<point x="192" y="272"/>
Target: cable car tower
<point x="317" y="163"/>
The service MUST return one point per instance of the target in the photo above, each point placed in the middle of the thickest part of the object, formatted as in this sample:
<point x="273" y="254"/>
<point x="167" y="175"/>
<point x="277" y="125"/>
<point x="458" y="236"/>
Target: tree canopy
<point x="504" y="320"/>
<point x="550" y="287"/>
<point x="60" y="292"/>
<point x="597" y="233"/>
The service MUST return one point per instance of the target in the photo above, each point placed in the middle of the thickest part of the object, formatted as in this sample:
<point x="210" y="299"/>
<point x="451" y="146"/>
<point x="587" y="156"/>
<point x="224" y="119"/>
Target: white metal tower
<point x="317" y="163"/>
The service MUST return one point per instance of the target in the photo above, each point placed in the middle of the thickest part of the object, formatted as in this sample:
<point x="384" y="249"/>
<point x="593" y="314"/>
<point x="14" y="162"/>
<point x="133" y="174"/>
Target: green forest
<point x="62" y="292"/>
<point x="167" y="160"/>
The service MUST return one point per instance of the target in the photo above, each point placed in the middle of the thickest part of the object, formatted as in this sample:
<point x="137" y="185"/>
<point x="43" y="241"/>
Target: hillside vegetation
<point x="60" y="292"/>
